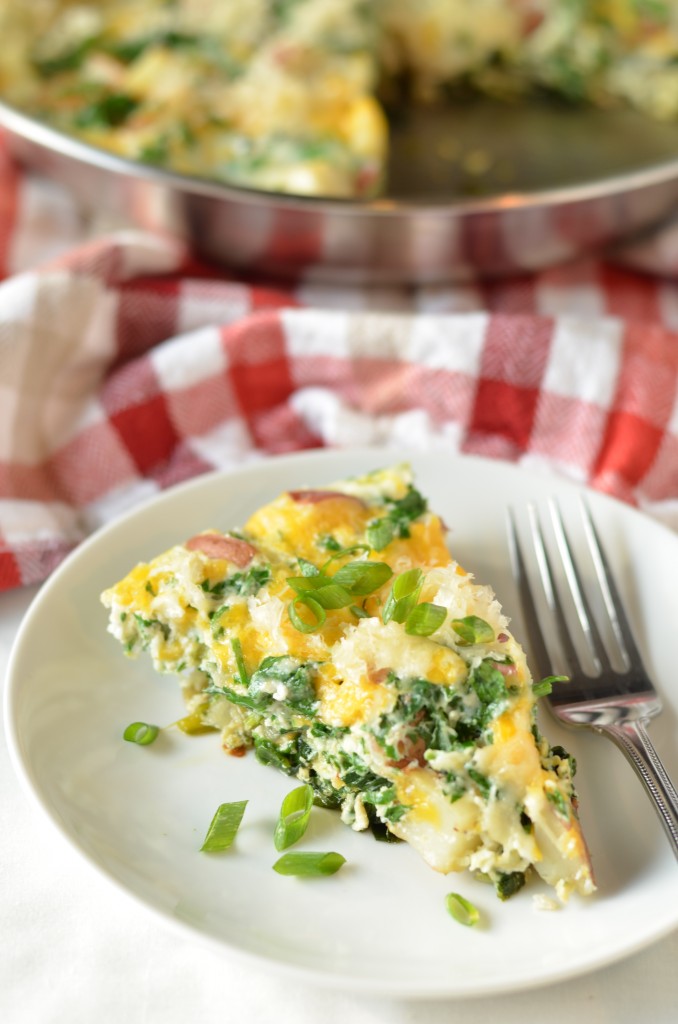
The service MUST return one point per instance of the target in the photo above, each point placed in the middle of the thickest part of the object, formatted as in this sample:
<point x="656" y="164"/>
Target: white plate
<point x="380" y="925"/>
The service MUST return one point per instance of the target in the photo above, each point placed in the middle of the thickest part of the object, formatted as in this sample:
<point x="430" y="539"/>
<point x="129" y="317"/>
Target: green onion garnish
<point x="224" y="825"/>
<point x="240" y="661"/>
<point x="545" y="686"/>
<point x="362" y="577"/>
<point x="343" y="552"/>
<point x="294" y="814"/>
<point x="313" y="606"/>
<point x="141" y="733"/>
<point x="380" y="533"/>
<point x="309" y="865"/>
<point x="461" y="910"/>
<point x="425" y="619"/>
<point x="473" y="630"/>
<point x="404" y="595"/>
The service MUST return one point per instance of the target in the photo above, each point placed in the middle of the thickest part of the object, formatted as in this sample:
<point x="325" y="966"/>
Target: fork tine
<point x="552" y="594"/>
<point x="538" y="644"/>
<point x="578" y="591"/>
<point x="613" y="602"/>
<point x="531" y="622"/>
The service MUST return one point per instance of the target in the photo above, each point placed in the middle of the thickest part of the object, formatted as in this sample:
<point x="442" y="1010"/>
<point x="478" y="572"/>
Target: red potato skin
<point x="214" y="545"/>
<point x="311" y="497"/>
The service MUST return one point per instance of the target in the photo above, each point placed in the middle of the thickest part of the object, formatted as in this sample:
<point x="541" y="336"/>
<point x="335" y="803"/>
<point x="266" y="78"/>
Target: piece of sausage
<point x="311" y="497"/>
<point x="215" y="545"/>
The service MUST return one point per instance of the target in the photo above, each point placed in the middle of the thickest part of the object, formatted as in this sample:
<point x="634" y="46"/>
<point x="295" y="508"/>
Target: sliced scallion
<point x="316" y="609"/>
<point x="425" y="619"/>
<point x="224" y="826"/>
<point x="309" y="865"/>
<point x="240" y="661"/>
<point x="473" y="630"/>
<point x="294" y="815"/>
<point x="141" y="733"/>
<point x="461" y="909"/>
<point x="362" y="577"/>
<point x="403" y="596"/>
<point x="545" y="686"/>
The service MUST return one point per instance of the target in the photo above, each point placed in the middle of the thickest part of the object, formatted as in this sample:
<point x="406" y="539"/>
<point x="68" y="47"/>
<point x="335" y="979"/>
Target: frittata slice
<point x="336" y="636"/>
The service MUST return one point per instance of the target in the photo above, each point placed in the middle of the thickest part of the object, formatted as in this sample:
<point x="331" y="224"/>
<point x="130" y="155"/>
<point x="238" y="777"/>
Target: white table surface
<point x="75" y="950"/>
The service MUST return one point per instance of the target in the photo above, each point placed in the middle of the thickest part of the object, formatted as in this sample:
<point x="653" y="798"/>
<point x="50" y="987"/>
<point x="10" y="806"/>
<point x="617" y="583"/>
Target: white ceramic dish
<point x="140" y="813"/>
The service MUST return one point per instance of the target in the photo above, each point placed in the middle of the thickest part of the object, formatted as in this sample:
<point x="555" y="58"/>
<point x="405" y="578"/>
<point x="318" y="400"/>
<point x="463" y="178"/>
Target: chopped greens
<point x="309" y="865"/>
<point x="472" y="630"/>
<point x="141" y="733"/>
<point x="223" y="827"/>
<point x="461" y="909"/>
<point x="294" y="817"/>
<point x="396" y="523"/>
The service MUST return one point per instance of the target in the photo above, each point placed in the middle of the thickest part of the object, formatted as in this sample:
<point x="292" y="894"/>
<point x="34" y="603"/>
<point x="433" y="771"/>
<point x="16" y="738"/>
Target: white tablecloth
<point x="75" y="950"/>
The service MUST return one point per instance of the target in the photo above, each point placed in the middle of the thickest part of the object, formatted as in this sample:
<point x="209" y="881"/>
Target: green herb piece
<point x="309" y="865"/>
<point x="359" y="613"/>
<point x="545" y="686"/>
<point x="473" y="630"/>
<point x="328" y="542"/>
<point x="509" y="883"/>
<point x="315" y="608"/>
<point x="362" y="577"/>
<point x="559" y="801"/>
<point x="424" y="619"/>
<point x="481" y="781"/>
<point x="308" y="568"/>
<point x="108" y="112"/>
<point x="294" y="678"/>
<point x="240" y="661"/>
<point x="224" y="826"/>
<point x="340" y="552"/>
<point x="294" y="816"/>
<point x="327" y="594"/>
<point x="141" y="733"/>
<point x="403" y="596"/>
<point x="380" y="533"/>
<point x="461" y="909"/>
<point x="193" y="724"/>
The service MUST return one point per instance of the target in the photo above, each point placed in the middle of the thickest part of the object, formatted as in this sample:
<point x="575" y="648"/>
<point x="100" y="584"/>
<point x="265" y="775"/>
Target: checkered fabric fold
<point x="126" y="366"/>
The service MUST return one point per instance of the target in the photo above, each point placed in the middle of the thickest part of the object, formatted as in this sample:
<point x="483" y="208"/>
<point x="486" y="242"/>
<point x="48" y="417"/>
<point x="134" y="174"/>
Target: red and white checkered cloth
<point x="127" y="366"/>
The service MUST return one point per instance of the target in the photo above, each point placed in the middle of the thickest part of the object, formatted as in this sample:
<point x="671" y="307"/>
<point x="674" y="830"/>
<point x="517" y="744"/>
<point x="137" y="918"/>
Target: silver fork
<point x="615" y="702"/>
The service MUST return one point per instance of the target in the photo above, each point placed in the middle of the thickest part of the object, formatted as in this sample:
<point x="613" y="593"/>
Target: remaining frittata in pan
<point x="336" y="637"/>
<point x="286" y="95"/>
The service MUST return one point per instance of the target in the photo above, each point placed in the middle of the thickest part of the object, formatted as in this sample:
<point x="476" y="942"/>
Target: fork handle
<point x="632" y="739"/>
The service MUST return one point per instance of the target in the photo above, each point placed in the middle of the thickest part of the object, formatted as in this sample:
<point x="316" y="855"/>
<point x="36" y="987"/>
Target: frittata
<point x="288" y="95"/>
<point x="335" y="635"/>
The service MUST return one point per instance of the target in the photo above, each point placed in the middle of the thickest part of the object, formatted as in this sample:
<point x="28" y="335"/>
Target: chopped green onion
<point x="294" y="815"/>
<point x="362" y="577"/>
<point x="328" y="596"/>
<point x="141" y="733"/>
<point x="308" y="568"/>
<point x="425" y="619"/>
<point x="473" y="630"/>
<point x="240" y="661"/>
<point x="313" y="606"/>
<point x="380" y="533"/>
<point x="359" y="613"/>
<point x="224" y="826"/>
<point x="461" y="909"/>
<point x="194" y="724"/>
<point x="309" y="865"/>
<point x="342" y="552"/>
<point x="404" y="595"/>
<point x="545" y="686"/>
